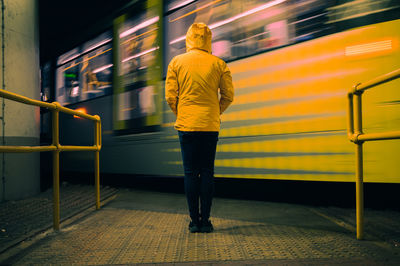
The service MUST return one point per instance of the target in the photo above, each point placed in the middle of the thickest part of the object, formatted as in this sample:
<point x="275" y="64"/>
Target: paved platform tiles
<point x="22" y="219"/>
<point x="151" y="228"/>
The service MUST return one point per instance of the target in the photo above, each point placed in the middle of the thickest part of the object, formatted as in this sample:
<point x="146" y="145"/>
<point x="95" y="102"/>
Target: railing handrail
<point x="51" y="106"/>
<point x="376" y="81"/>
<point x="56" y="148"/>
<point x="358" y="89"/>
<point x="356" y="135"/>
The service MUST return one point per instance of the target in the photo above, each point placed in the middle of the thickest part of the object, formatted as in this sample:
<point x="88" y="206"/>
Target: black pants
<point x="198" y="153"/>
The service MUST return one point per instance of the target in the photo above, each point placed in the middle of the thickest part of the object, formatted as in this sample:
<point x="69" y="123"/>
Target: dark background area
<point x="65" y="24"/>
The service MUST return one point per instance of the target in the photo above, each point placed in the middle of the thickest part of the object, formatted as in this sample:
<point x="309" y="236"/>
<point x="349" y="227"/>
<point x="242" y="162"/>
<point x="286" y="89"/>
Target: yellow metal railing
<point x="56" y="147"/>
<point x="356" y="135"/>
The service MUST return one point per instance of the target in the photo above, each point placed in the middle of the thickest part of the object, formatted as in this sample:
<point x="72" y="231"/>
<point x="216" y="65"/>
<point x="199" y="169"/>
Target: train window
<point x="85" y="72"/>
<point x="137" y="80"/>
<point x="137" y="48"/>
<point x="240" y="28"/>
<point x="245" y="27"/>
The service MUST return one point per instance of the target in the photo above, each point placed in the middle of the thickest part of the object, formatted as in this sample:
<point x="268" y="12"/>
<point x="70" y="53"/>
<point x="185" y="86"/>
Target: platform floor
<point x="146" y="227"/>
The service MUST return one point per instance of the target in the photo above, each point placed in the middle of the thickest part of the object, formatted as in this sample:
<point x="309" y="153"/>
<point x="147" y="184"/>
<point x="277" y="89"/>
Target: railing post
<point x="97" y="138"/>
<point x="359" y="191"/>
<point x="359" y="168"/>
<point x="56" y="170"/>
<point x="355" y="134"/>
<point x="350" y="116"/>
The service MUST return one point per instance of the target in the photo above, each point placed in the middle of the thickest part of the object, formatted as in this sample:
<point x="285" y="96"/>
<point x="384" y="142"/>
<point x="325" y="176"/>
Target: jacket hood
<point x="198" y="36"/>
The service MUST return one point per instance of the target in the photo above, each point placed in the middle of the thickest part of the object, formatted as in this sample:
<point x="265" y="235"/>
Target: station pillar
<point x="19" y="73"/>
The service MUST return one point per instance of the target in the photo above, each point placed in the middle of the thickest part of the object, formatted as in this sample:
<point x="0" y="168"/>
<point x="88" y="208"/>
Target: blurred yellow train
<point x="297" y="96"/>
<point x="292" y="62"/>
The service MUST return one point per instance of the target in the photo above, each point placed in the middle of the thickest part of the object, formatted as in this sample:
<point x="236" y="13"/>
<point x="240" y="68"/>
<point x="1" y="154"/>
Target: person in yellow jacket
<point x="198" y="89"/>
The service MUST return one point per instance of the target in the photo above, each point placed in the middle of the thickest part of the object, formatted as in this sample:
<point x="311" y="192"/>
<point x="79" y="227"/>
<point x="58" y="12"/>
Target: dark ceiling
<point x="64" y="24"/>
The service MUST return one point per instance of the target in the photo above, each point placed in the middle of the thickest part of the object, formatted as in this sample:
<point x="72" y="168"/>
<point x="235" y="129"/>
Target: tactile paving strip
<point x="123" y="236"/>
<point x="22" y="219"/>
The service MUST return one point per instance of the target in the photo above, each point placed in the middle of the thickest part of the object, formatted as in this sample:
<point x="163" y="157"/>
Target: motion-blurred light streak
<point x="368" y="47"/>
<point x="142" y="25"/>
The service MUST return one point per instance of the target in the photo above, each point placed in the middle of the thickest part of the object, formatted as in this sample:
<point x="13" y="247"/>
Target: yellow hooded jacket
<point x="193" y="82"/>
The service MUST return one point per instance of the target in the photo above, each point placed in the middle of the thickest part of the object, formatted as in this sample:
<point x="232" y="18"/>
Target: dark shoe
<point x="206" y="226"/>
<point x="194" y="227"/>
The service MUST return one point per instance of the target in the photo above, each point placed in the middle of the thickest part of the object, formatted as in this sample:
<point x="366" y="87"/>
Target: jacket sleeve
<point x="172" y="88"/>
<point x="226" y="88"/>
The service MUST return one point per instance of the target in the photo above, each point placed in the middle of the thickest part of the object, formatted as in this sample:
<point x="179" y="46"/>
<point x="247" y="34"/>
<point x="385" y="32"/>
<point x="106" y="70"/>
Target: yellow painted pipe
<point x="379" y="136"/>
<point x="378" y="80"/>
<point x="22" y="99"/>
<point x="97" y="139"/>
<point x="359" y="168"/>
<point x="56" y="172"/>
<point x="358" y="115"/>
<point x="80" y="114"/>
<point x="359" y="191"/>
<point x="350" y="116"/>
<point x="100" y="134"/>
<point x="97" y="178"/>
<point x="22" y="149"/>
<point x="52" y="106"/>
<point x="78" y="148"/>
<point x="98" y="125"/>
<point x="96" y="134"/>
<point x="27" y="148"/>
<point x="56" y="190"/>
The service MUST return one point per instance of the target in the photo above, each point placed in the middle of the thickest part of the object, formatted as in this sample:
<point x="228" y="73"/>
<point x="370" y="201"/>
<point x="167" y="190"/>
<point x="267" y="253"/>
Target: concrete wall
<point x="19" y="73"/>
